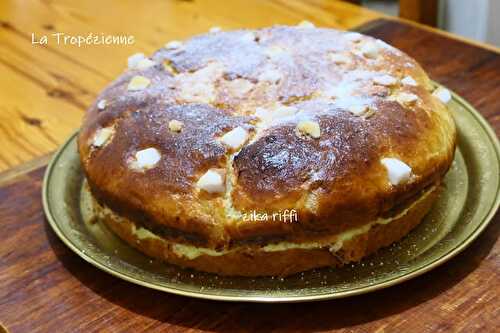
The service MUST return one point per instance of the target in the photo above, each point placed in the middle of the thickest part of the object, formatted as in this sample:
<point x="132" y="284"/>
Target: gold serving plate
<point x="462" y="211"/>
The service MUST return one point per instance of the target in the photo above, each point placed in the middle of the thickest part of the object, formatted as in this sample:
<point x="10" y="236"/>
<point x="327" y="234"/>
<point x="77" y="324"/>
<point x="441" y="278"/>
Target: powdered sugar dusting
<point x="320" y="83"/>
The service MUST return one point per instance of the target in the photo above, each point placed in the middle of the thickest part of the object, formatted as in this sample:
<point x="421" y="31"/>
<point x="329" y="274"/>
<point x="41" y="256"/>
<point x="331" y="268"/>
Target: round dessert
<point x="267" y="152"/>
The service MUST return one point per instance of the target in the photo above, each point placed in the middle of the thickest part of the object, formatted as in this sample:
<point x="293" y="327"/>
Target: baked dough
<point x="337" y="127"/>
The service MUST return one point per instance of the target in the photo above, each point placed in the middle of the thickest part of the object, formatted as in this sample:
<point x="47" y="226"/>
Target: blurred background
<point x="476" y="19"/>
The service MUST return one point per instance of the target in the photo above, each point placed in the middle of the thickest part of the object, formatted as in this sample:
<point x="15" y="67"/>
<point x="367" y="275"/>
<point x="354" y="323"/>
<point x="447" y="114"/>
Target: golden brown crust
<point x="335" y="182"/>
<point x="253" y="262"/>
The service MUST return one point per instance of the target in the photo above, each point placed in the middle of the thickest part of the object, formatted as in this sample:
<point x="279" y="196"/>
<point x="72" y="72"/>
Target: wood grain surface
<point x="423" y="11"/>
<point x="44" y="287"/>
<point x="45" y="89"/>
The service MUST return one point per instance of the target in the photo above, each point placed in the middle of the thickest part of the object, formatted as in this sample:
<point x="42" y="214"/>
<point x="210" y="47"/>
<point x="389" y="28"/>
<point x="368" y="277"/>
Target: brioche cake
<point x="267" y="152"/>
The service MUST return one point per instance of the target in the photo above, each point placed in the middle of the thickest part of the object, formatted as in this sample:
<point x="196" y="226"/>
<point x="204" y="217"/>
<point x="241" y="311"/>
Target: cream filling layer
<point x="191" y="252"/>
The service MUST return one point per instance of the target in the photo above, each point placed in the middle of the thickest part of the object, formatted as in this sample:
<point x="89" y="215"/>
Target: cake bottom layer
<point x="279" y="259"/>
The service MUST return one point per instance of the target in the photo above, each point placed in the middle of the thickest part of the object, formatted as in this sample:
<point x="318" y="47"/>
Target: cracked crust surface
<point x="216" y="82"/>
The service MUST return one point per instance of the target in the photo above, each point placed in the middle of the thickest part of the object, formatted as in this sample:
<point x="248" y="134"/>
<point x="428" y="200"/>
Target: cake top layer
<point x="336" y="125"/>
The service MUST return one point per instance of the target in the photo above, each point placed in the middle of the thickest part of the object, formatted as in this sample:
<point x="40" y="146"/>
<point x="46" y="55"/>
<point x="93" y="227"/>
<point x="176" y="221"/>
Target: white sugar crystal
<point x="235" y="138"/>
<point x="138" y="83"/>
<point x="139" y="61"/>
<point x="101" y="105"/>
<point x="134" y="60"/>
<point x="442" y="94"/>
<point x="215" y="29"/>
<point x="358" y="109"/>
<point x="397" y="171"/>
<point x="175" y="125"/>
<point x="305" y="24"/>
<point x="102" y="136"/>
<point x="270" y="75"/>
<point x="211" y="182"/>
<point x="339" y="58"/>
<point x="309" y="127"/>
<point x="410" y="81"/>
<point x="385" y="80"/>
<point x="406" y="98"/>
<point x="175" y="44"/>
<point x="370" y="50"/>
<point x="146" y="158"/>
<point x="145" y="63"/>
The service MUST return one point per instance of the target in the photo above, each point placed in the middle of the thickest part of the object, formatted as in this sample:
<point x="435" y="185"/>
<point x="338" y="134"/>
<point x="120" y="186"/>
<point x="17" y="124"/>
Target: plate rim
<point x="493" y="140"/>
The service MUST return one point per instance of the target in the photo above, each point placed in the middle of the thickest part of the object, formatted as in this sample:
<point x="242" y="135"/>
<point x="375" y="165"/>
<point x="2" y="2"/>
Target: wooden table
<point x="44" y="91"/>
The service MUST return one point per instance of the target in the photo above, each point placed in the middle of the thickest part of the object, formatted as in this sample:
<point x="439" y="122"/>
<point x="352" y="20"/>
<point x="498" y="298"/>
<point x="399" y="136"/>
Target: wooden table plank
<point x="47" y="288"/>
<point x="45" y="89"/>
